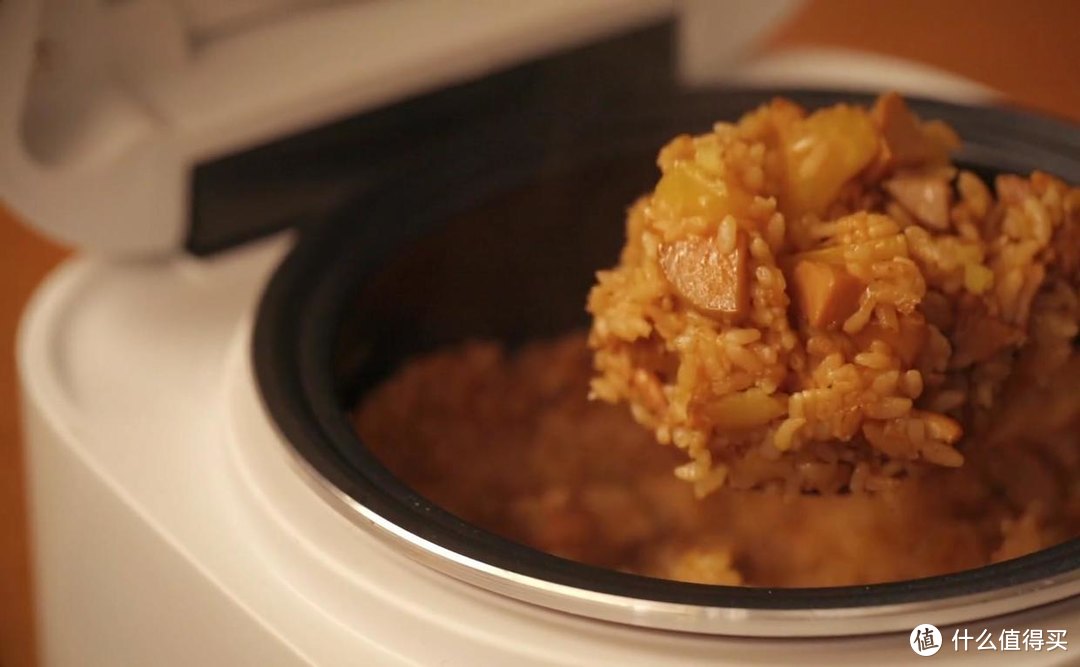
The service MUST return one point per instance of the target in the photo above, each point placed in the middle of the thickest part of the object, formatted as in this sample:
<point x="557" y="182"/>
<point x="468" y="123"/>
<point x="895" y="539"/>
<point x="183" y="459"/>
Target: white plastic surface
<point x="842" y="69"/>
<point x="105" y="106"/>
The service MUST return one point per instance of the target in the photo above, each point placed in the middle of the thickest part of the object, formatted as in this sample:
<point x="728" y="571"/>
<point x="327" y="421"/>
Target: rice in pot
<point x="841" y="337"/>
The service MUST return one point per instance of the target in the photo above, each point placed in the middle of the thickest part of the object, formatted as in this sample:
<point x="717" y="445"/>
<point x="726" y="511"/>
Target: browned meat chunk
<point x="826" y="293"/>
<point x="710" y="279"/>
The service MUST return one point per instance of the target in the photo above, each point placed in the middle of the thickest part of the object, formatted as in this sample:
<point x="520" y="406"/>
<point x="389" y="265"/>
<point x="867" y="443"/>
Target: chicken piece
<point x="908" y="142"/>
<point x="713" y="281"/>
<point x="927" y="197"/>
<point x="978" y="337"/>
<point x="825" y="293"/>
<point x="907" y="341"/>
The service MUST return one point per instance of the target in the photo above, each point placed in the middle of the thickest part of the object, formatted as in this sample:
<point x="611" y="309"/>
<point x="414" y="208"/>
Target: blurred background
<point x="1028" y="51"/>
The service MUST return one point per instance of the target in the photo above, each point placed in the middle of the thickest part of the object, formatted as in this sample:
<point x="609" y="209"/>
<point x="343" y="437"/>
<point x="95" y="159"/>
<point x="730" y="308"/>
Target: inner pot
<point x="494" y="230"/>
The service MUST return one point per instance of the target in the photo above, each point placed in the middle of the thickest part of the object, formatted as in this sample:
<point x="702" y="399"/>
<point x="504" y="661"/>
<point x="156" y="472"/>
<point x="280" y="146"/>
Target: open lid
<point x="106" y="108"/>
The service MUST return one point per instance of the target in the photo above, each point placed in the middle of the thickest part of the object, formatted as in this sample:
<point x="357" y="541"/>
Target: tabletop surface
<point x="1028" y="51"/>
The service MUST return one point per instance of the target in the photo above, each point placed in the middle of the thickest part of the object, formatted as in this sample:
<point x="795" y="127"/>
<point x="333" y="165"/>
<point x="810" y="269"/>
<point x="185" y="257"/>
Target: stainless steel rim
<point x="712" y="620"/>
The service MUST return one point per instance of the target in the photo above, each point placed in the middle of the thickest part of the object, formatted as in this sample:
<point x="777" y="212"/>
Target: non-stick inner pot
<point x="495" y="231"/>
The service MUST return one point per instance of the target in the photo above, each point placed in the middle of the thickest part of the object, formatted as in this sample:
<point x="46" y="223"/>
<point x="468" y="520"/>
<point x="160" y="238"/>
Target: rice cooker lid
<point x="108" y="109"/>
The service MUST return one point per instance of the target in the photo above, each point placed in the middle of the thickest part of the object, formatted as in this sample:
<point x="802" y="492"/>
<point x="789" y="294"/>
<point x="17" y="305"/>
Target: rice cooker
<point x="257" y="189"/>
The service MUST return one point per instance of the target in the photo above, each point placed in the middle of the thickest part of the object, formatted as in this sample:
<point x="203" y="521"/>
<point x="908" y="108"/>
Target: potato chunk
<point x="684" y="192"/>
<point x="713" y="281"/>
<point x="826" y="293"/>
<point x="745" y="410"/>
<point x="822" y="153"/>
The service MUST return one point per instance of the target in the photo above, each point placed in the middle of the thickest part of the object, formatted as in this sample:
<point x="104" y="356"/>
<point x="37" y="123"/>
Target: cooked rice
<point x="890" y="327"/>
<point x="956" y="293"/>
<point x="509" y="443"/>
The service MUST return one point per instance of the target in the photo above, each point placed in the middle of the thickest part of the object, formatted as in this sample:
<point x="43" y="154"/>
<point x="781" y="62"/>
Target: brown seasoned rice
<point x="943" y="294"/>
<point x="510" y="443"/>
<point x="806" y="304"/>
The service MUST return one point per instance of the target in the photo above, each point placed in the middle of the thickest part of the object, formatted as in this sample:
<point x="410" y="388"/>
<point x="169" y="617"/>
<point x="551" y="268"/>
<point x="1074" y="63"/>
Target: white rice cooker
<point x="195" y="495"/>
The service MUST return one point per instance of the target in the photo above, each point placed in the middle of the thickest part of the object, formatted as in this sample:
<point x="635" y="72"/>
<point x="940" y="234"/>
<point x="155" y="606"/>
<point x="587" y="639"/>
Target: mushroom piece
<point x="927" y="197"/>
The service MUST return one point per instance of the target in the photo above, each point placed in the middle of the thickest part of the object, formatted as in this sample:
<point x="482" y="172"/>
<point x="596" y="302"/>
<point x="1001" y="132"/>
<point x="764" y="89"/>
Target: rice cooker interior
<point x="494" y="231"/>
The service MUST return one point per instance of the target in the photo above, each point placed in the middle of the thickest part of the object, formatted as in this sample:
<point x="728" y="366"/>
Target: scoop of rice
<point x="823" y="302"/>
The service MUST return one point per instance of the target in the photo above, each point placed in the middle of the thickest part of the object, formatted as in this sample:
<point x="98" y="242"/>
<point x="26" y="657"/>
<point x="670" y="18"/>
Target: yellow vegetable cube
<point x="823" y="152"/>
